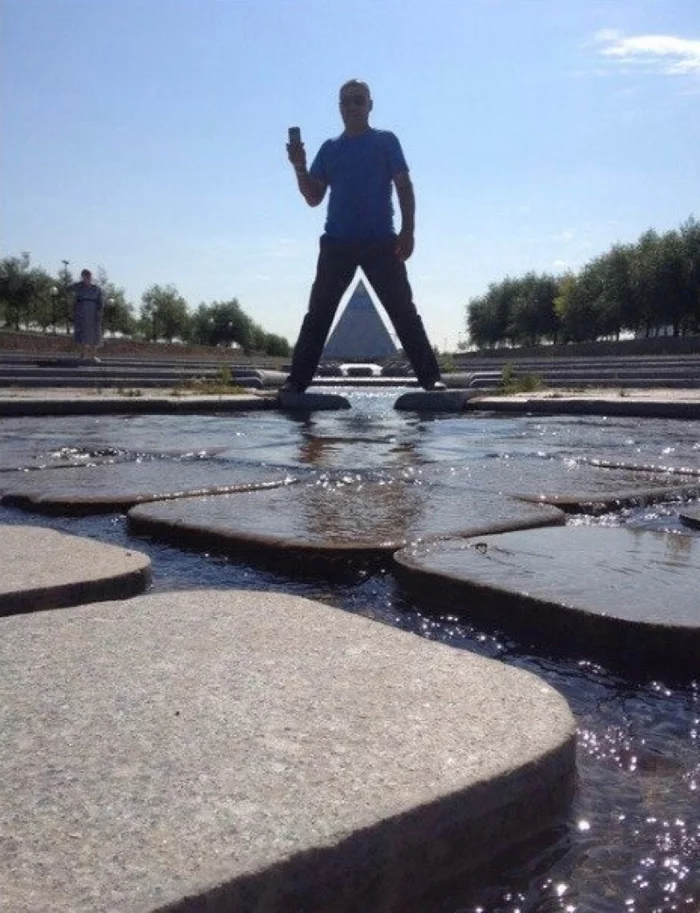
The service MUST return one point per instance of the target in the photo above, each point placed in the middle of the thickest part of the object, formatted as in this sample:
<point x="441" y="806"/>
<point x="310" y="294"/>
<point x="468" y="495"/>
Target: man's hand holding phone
<point x="296" y="151"/>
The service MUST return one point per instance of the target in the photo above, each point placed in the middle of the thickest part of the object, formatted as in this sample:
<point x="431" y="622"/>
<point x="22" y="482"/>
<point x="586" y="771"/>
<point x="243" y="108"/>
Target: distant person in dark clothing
<point x="88" y="305"/>
<point x="361" y="167"/>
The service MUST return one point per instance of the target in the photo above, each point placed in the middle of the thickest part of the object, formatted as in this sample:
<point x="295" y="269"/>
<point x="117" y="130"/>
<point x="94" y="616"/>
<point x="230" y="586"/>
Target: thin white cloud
<point x="568" y="234"/>
<point x="664" y="54"/>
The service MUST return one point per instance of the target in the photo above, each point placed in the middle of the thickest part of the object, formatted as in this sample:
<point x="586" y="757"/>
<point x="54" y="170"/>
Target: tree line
<point x="32" y="298"/>
<point x="646" y="288"/>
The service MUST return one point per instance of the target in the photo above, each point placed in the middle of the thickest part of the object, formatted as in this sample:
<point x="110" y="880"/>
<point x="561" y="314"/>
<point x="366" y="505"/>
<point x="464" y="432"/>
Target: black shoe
<point x="290" y="387"/>
<point x="434" y="386"/>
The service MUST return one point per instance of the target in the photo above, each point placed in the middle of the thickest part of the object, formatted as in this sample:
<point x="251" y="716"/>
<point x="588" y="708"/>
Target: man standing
<point x="87" y="315"/>
<point x="361" y="167"/>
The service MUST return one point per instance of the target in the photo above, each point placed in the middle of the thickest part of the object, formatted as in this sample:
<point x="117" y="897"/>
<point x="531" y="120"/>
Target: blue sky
<point x="147" y="136"/>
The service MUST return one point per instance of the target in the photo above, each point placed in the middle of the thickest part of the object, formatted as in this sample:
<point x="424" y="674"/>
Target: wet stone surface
<point x="600" y="498"/>
<point x="619" y="587"/>
<point x="443" y="401"/>
<point x="343" y="513"/>
<point x="176" y="749"/>
<point x="311" y="402"/>
<point x="120" y="485"/>
<point x="46" y="569"/>
<point x="634" y="838"/>
<point x="690" y="516"/>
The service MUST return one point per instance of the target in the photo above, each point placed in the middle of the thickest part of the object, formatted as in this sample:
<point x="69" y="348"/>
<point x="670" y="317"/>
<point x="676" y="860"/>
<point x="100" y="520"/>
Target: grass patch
<point x="221" y="385"/>
<point x="512" y="382"/>
<point x="129" y="392"/>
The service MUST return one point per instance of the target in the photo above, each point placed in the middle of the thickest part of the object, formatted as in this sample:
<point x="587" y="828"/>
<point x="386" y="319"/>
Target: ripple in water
<point x="633" y="841"/>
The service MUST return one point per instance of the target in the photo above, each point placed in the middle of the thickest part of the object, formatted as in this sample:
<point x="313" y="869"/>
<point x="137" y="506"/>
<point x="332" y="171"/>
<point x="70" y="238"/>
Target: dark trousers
<point x="337" y="264"/>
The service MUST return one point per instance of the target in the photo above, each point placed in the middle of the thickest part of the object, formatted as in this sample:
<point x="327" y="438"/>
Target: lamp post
<point x="65" y="276"/>
<point x="54" y="296"/>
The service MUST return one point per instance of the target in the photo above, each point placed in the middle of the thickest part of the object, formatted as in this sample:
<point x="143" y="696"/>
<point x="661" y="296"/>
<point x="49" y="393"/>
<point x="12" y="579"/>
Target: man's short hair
<point x="85" y="273"/>
<point x="355" y="84"/>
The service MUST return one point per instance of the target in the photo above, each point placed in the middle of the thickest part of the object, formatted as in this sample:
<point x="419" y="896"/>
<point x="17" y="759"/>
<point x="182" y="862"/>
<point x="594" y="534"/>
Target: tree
<point x="229" y="324"/>
<point x="17" y="289"/>
<point x="118" y="318"/>
<point x="489" y="318"/>
<point x="690" y="241"/>
<point x="532" y="315"/>
<point x="276" y="345"/>
<point x="575" y="308"/>
<point x="164" y="314"/>
<point x="607" y="279"/>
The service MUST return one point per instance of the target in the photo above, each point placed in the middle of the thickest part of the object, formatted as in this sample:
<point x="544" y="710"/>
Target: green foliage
<point x="512" y="382"/>
<point x="164" y="314"/>
<point x="276" y="346"/>
<point x="118" y="317"/>
<point x="32" y="298"/>
<point x="129" y="392"/>
<point x="445" y="361"/>
<point x="25" y="293"/>
<point x="515" y="312"/>
<point x="644" y="287"/>
<point x="204" y="386"/>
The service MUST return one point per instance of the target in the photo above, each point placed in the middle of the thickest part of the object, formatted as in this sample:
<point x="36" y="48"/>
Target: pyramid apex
<point x="360" y="332"/>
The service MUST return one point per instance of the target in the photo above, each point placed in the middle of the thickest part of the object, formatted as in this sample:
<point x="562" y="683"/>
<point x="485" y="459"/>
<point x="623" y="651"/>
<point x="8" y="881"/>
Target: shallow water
<point x="634" y="839"/>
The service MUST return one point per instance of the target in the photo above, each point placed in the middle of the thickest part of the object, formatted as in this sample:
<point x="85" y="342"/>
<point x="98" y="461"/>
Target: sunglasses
<point x="353" y="100"/>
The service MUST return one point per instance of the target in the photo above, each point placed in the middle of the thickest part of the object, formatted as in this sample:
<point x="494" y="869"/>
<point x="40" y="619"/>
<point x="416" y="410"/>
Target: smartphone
<point x="294" y="136"/>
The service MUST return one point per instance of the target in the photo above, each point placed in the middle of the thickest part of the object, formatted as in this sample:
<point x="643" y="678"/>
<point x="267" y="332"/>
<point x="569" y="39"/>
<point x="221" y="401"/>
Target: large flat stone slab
<point x="690" y="515"/>
<point x="434" y="401"/>
<point x="94" y="489"/>
<point x="627" y="595"/>
<point x="252" y="751"/>
<point x="46" y="569"/>
<point x="311" y="402"/>
<point x="333" y="519"/>
<point x="602" y="499"/>
<point x="91" y="402"/>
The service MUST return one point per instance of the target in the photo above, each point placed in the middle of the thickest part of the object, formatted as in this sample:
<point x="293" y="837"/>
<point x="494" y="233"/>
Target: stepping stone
<point x="690" y="516"/>
<point x="606" y="500"/>
<point x="311" y="402"/>
<point x="333" y="521"/>
<point x="438" y="401"/>
<point x="174" y="751"/>
<point x="46" y="569"/>
<point x="626" y="595"/>
<point x="118" y="486"/>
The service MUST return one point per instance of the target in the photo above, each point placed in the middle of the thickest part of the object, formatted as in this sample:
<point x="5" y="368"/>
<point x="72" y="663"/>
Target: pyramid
<point x="360" y="334"/>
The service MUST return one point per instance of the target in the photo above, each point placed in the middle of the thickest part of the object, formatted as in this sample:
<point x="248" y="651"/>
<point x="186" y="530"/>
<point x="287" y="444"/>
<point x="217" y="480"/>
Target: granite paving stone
<point x="121" y="485"/>
<point x="626" y="594"/>
<point x="311" y="402"/>
<point x="335" y="517"/>
<point x="442" y="401"/>
<point x="47" y="569"/>
<point x="690" y="515"/>
<point x="602" y="499"/>
<point x="248" y="751"/>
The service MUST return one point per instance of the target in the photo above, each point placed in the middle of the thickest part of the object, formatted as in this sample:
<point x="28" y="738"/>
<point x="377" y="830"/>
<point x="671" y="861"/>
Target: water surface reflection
<point x="634" y="844"/>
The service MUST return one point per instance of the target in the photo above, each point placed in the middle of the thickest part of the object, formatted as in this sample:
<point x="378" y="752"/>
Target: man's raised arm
<point x="310" y="188"/>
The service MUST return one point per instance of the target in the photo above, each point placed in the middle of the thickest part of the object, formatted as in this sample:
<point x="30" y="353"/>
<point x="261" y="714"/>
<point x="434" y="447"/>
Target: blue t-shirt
<point x="359" y="172"/>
